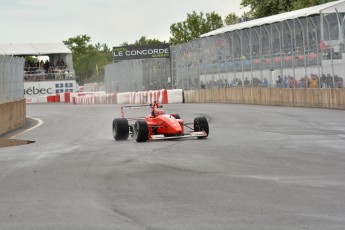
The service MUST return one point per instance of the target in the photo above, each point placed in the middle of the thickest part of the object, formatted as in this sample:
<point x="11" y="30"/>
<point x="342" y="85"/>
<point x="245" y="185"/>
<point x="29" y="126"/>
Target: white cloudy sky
<point x="106" y="21"/>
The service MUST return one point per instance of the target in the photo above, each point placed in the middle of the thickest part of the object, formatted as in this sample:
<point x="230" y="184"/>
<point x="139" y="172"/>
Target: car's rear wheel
<point x="120" y="129"/>
<point x="201" y="124"/>
<point x="141" y="131"/>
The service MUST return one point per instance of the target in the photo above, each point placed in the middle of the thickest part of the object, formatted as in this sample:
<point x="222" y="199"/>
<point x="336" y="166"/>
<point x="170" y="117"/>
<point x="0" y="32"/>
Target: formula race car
<point x="158" y="126"/>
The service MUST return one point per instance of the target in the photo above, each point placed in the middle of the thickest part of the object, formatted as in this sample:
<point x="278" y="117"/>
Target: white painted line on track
<point x="40" y="122"/>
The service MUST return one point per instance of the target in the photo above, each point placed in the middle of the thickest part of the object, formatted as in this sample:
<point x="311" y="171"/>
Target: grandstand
<point x="286" y="50"/>
<point x="52" y="61"/>
<point x="47" y="70"/>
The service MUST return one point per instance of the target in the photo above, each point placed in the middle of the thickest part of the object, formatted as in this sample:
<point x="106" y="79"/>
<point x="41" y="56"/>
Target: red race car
<point x="157" y="126"/>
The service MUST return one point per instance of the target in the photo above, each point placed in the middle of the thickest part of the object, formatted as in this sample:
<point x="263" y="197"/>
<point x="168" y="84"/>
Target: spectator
<point x="46" y="66"/>
<point x="340" y="83"/>
<point x="323" y="81"/>
<point x="42" y="64"/>
<point x="293" y="83"/>
<point x="314" y="82"/>
<point x="265" y="82"/>
<point x="285" y="82"/>
<point x="329" y="81"/>
<point x="279" y="81"/>
<point x="246" y="82"/>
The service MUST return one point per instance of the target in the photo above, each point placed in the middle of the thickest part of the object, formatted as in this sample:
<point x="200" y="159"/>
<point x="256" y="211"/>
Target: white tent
<point x="330" y="7"/>
<point x="52" y="50"/>
<point x="34" y="49"/>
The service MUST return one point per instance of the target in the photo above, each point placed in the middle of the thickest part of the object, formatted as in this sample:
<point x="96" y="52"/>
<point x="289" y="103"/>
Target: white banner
<point x="38" y="91"/>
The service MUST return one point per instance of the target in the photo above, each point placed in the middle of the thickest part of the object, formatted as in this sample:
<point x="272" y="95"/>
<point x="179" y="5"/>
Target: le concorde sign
<point x="141" y="52"/>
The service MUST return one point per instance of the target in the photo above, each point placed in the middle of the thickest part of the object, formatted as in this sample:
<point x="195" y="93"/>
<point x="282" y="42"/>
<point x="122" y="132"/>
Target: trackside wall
<point x="313" y="98"/>
<point x="12" y="115"/>
<point x="12" y="102"/>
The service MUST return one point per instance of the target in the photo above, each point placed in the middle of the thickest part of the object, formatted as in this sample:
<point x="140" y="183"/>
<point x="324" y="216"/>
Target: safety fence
<point x="306" y="52"/>
<point x="138" y="75"/>
<point x="291" y="50"/>
<point x="11" y="78"/>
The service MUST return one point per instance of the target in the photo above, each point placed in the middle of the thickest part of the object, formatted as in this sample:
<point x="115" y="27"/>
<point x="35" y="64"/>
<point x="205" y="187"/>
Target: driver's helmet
<point x="159" y="111"/>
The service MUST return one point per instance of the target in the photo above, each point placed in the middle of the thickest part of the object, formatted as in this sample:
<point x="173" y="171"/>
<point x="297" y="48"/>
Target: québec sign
<point x="36" y="91"/>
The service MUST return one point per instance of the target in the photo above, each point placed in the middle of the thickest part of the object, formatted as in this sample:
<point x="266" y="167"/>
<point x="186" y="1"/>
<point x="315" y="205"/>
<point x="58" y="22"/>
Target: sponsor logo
<point x="59" y="85"/>
<point x="141" y="52"/>
<point x="35" y="91"/>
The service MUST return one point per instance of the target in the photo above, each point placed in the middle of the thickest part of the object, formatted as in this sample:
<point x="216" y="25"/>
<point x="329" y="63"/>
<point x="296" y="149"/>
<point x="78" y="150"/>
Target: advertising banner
<point x="141" y="52"/>
<point x="40" y="90"/>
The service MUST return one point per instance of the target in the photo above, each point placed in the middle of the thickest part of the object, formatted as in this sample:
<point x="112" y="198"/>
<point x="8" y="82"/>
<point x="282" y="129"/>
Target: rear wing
<point x="132" y="107"/>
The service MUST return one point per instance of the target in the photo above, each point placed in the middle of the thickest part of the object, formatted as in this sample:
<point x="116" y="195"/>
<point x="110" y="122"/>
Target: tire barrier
<point x="175" y="96"/>
<point x="67" y="97"/>
<point x="148" y="97"/>
<point x="89" y="98"/>
<point x="55" y="98"/>
<point x="94" y="98"/>
<point x="163" y="96"/>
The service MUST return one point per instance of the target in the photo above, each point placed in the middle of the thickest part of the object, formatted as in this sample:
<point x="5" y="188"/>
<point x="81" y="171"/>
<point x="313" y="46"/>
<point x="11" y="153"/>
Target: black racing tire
<point x="201" y="124"/>
<point x="141" y="131"/>
<point x="177" y="116"/>
<point x="120" y="129"/>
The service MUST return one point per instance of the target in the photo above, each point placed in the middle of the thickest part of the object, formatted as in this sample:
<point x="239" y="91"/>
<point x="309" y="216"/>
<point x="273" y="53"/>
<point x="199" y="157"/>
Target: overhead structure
<point x="34" y="49"/>
<point x="326" y="8"/>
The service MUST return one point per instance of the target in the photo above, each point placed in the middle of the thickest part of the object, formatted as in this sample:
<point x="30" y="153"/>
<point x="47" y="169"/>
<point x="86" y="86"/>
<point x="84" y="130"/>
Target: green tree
<point x="231" y="19"/>
<point x="88" y="59"/>
<point x="307" y="3"/>
<point x="144" y="41"/>
<point x="194" y="26"/>
<point x="264" y="8"/>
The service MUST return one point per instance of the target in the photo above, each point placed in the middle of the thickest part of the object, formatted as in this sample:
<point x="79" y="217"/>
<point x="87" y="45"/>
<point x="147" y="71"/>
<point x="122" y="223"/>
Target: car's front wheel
<point x="120" y="129"/>
<point x="141" y="131"/>
<point x="201" y="124"/>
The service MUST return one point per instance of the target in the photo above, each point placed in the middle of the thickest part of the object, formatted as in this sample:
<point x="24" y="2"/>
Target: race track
<point x="261" y="168"/>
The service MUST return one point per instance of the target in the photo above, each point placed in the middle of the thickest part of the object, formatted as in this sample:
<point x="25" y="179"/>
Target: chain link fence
<point x="297" y="52"/>
<point x="138" y="75"/>
<point x="11" y="78"/>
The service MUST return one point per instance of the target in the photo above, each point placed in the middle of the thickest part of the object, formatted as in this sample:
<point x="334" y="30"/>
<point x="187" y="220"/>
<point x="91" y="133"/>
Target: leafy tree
<point x="307" y="3"/>
<point x="264" y="8"/>
<point x="88" y="59"/>
<point x="194" y="26"/>
<point x="144" y="41"/>
<point x="231" y="19"/>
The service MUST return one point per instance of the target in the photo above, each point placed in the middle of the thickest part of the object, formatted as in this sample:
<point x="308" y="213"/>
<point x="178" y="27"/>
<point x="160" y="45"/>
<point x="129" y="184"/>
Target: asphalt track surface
<point x="261" y="168"/>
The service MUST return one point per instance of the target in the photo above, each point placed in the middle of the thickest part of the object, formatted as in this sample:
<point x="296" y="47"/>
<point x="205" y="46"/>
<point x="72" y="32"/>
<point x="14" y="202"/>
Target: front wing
<point x="186" y="135"/>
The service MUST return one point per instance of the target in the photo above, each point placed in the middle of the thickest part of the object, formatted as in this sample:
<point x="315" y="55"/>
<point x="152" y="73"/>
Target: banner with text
<point x="141" y="52"/>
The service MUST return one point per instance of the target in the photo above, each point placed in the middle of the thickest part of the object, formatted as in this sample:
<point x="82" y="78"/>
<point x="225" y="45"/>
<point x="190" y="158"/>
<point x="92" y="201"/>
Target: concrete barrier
<point x="313" y="98"/>
<point x="13" y="115"/>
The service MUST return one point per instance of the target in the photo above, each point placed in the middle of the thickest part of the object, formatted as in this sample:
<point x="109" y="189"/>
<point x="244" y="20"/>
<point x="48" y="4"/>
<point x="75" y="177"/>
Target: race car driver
<point x="154" y="105"/>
